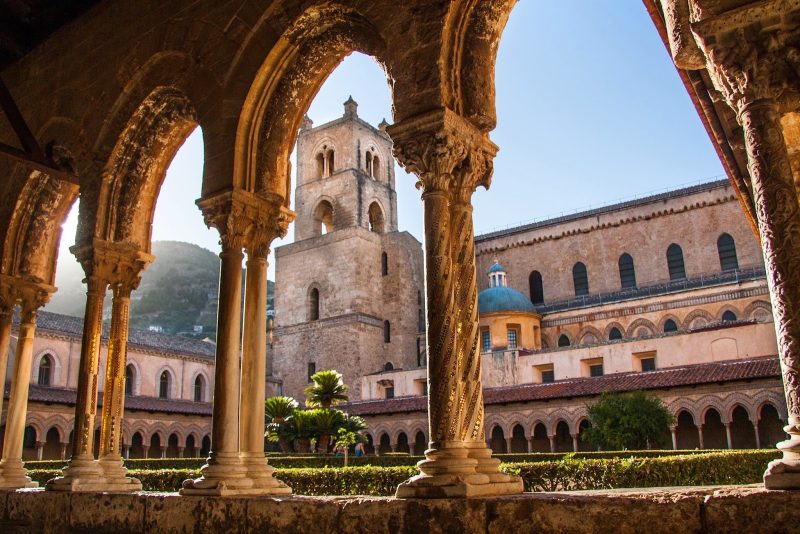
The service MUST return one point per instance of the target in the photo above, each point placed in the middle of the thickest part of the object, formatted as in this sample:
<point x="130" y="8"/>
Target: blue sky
<point x="590" y="111"/>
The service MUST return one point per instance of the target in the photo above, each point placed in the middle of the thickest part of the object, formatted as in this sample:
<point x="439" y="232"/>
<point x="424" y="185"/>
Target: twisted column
<point x="753" y="68"/>
<point x="31" y="297"/>
<point x="451" y="159"/>
<point x="273" y="222"/>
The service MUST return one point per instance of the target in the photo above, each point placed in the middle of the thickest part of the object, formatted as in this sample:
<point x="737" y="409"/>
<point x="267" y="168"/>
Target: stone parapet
<point x="671" y="510"/>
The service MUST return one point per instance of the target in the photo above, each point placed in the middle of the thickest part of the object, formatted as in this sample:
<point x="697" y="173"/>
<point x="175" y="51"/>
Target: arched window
<point x="727" y="253"/>
<point x="627" y="273"/>
<point x="388" y="366"/>
<point x="563" y="341"/>
<point x="313" y="304"/>
<point x="163" y="385"/>
<point x="368" y="162"/>
<point x="536" y="288"/>
<point x="320" y="159"/>
<point x="675" y="262"/>
<point x="387" y="332"/>
<point x="199" y="388"/>
<point x="728" y="316"/>
<point x="130" y="376"/>
<point x="331" y="162"/>
<point x="323" y="218"/>
<point x="376" y="167"/>
<point x="45" y="370"/>
<point x="580" y="279"/>
<point x="376" y="221"/>
<point x="384" y="264"/>
<point x="670" y="326"/>
<point x="614" y="334"/>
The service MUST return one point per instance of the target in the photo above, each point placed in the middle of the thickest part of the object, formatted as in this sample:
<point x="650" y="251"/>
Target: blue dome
<point x="496" y="268"/>
<point x="503" y="299"/>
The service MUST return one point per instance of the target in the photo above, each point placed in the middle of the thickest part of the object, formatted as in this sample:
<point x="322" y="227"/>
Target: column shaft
<point x="5" y="343"/>
<point x="728" y="435"/>
<point x="12" y="473"/>
<point x="674" y="433"/>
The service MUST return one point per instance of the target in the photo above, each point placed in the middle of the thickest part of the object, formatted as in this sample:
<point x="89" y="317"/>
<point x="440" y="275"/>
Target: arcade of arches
<point x="123" y="106"/>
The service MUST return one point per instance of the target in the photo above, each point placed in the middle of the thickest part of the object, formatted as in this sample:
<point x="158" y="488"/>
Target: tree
<point x="328" y="389"/>
<point x="347" y="438"/>
<point x="325" y="423"/>
<point x="628" y="421"/>
<point x="279" y="412"/>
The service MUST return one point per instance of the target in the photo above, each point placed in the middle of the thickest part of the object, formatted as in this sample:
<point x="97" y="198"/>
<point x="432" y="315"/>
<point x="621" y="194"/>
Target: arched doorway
<point x="540" y="441"/>
<point x="402" y="443"/>
<point x="770" y="427"/>
<point x="498" y="440"/>
<point x="686" y="432"/>
<point x="714" y="433"/>
<point x="155" y="446"/>
<point x="385" y="445"/>
<point x="205" y="447"/>
<point x="519" y="442"/>
<point x="743" y="434"/>
<point x="52" y="445"/>
<point x="563" y="437"/>
<point x="136" y="449"/>
<point x="191" y="449"/>
<point x="420" y="444"/>
<point x="172" y="446"/>
<point x="29" y="444"/>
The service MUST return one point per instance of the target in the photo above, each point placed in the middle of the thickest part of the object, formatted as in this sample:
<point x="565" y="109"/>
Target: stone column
<point x="126" y="451"/>
<point x="758" y="438"/>
<point x="728" y="435"/>
<point x="273" y="221"/>
<point x="674" y="431"/>
<point x="574" y="442"/>
<point x="7" y="300"/>
<point x="39" y="450"/>
<point x="451" y="157"/>
<point x="508" y="444"/>
<point x="32" y="296"/>
<point x="180" y="452"/>
<point x="700" y="436"/>
<point x="126" y="279"/>
<point x="145" y="451"/>
<point x="530" y="444"/>
<point x="552" y="438"/>
<point x="62" y="449"/>
<point x="752" y="63"/>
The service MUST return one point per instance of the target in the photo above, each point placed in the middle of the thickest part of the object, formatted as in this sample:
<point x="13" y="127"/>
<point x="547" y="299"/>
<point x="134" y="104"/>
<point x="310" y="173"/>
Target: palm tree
<point x="301" y="428"/>
<point x="326" y="422"/>
<point x="279" y="411"/>
<point x="328" y="389"/>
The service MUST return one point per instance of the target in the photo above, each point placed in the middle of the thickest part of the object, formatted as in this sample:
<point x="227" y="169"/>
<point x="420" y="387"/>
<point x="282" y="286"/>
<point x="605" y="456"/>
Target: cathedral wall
<point x="644" y="231"/>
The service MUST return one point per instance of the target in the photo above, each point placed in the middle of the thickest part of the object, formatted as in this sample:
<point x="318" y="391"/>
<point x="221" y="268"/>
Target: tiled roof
<point x="688" y="375"/>
<point x="148" y="404"/>
<point x="73" y="326"/>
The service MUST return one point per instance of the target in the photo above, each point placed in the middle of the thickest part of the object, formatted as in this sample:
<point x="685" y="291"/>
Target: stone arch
<point x="160" y="429"/>
<point x="61" y="425"/>
<point x="684" y="405"/>
<point x="589" y="334"/>
<point x="758" y="310"/>
<point x="560" y="415"/>
<point x="136" y="168"/>
<point x="665" y="318"/>
<point x="710" y="402"/>
<point x="762" y="397"/>
<point x="638" y="325"/>
<point x="376" y="217"/>
<point x="313" y="44"/>
<point x="611" y="326"/>
<point x="324" y="215"/>
<point x="697" y="319"/>
<point x="739" y="399"/>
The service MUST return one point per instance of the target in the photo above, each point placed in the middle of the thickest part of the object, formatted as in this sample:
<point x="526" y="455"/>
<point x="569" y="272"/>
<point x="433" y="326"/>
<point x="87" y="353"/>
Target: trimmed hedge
<point x="387" y="460"/>
<point x="730" y="467"/>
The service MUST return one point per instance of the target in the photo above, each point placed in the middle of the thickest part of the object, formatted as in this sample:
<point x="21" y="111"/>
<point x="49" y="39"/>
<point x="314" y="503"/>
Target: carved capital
<point x="119" y="265"/>
<point x="753" y="53"/>
<point x="30" y="294"/>
<point x="272" y="221"/>
<point x="445" y="151"/>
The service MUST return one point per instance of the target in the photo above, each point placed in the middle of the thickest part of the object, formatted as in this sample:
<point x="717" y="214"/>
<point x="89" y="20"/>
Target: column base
<point x="14" y="476"/>
<point x="85" y="474"/>
<point x="451" y="469"/>
<point x="116" y="474"/>
<point x="224" y="474"/>
<point x="784" y="473"/>
<point x="263" y="475"/>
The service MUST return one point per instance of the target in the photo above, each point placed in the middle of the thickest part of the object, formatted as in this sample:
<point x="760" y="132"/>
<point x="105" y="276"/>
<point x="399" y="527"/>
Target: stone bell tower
<point x="349" y="290"/>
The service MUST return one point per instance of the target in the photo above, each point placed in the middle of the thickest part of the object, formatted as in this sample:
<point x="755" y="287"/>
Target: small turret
<point x="383" y="125"/>
<point x="307" y="123"/>
<point x="351" y="107"/>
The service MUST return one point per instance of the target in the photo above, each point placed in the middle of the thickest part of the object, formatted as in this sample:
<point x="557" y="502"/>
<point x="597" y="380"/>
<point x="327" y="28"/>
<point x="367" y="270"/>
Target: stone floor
<point x="732" y="509"/>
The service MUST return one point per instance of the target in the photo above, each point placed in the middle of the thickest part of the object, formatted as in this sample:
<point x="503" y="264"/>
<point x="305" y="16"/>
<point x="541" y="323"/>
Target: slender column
<point x="758" y="438"/>
<point x="83" y="471"/>
<point x="180" y="452"/>
<point x="552" y="438"/>
<point x="728" y="435"/>
<point x="62" y="449"/>
<point x="753" y="66"/>
<point x="451" y="158"/>
<point x="39" y="450"/>
<point x="6" y="311"/>
<point x="508" y="444"/>
<point x="574" y="442"/>
<point x="12" y="472"/>
<point x="674" y="431"/>
<point x="254" y="348"/>
<point x="145" y="451"/>
<point x="700" y="436"/>
<point x="530" y="445"/>
<point x="393" y="446"/>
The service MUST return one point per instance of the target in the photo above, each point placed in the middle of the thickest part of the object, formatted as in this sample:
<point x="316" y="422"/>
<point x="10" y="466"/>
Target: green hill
<point x="178" y="292"/>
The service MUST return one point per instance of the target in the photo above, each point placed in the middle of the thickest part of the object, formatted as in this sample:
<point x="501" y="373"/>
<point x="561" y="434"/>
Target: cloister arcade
<point x="119" y="112"/>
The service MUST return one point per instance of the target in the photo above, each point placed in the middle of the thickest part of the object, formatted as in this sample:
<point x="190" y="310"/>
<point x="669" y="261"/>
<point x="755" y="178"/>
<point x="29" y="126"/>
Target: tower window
<point x="313" y="304"/>
<point x="627" y="273"/>
<point x="331" y="161"/>
<point x="376" y="220"/>
<point x="512" y="338"/>
<point x="384" y="264"/>
<point x="312" y="370"/>
<point x="320" y="159"/>
<point x="323" y="218"/>
<point x="199" y="388"/>
<point x="387" y="332"/>
<point x="45" y="369"/>
<point x="727" y="253"/>
<point x="536" y="288"/>
<point x="580" y="279"/>
<point x="675" y="265"/>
